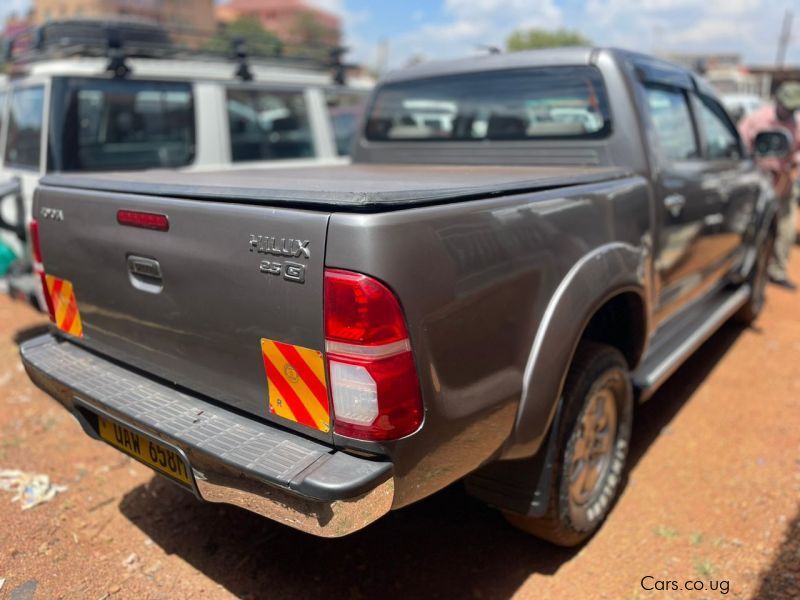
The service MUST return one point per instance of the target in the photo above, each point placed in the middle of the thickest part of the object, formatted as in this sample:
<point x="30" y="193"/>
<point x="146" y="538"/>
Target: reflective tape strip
<point x="296" y="381"/>
<point x="65" y="305"/>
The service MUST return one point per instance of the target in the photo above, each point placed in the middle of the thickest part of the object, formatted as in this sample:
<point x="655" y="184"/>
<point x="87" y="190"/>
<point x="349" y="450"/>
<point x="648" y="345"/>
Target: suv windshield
<point x="518" y="104"/>
<point x="116" y="124"/>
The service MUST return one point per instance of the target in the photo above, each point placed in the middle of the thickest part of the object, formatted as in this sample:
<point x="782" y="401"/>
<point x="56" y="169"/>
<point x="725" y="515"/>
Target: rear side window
<point x="125" y="124"/>
<point x="672" y="121"/>
<point x="517" y="104"/>
<point x="24" y="138"/>
<point x="345" y="111"/>
<point x="720" y="140"/>
<point x="268" y="125"/>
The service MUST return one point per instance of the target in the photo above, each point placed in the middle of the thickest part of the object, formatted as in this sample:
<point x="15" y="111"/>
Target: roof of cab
<point x="547" y="57"/>
<point x="497" y="61"/>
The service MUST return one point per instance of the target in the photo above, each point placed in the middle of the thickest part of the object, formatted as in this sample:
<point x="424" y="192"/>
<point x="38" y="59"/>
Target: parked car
<point x="63" y="111"/>
<point x="741" y="105"/>
<point x="479" y="299"/>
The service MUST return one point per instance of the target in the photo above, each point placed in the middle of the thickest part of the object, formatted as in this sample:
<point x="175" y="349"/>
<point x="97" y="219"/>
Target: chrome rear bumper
<point x="234" y="459"/>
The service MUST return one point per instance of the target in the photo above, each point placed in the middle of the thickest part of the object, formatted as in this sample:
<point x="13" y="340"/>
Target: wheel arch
<point x="602" y="298"/>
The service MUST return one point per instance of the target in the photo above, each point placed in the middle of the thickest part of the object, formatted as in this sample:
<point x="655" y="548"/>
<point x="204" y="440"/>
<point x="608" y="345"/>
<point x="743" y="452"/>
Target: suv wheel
<point x="592" y="446"/>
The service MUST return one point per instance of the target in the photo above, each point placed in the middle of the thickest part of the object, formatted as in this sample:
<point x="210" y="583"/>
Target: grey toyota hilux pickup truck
<point x="524" y="247"/>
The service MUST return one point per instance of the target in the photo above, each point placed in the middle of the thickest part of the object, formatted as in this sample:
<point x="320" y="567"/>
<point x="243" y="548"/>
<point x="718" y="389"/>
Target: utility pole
<point x="783" y="41"/>
<point x="382" y="56"/>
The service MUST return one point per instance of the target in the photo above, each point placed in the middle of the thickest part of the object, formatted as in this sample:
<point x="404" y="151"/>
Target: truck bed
<point x="343" y="187"/>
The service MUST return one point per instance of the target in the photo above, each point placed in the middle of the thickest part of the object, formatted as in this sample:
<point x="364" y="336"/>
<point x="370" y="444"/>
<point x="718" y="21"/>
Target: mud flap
<point x="521" y="486"/>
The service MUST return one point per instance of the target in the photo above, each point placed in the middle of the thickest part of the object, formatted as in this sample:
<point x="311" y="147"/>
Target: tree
<point x="313" y="37"/>
<point x="258" y="41"/>
<point x="531" y="39"/>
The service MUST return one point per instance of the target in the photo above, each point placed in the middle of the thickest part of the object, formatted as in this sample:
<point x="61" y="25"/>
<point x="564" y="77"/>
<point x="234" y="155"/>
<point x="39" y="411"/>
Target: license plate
<point x="143" y="449"/>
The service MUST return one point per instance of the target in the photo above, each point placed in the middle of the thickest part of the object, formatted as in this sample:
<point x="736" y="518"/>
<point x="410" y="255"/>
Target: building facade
<point x="292" y="21"/>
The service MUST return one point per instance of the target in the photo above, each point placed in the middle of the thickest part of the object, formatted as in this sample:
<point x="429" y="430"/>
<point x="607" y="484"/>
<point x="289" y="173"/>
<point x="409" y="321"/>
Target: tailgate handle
<point x="145" y="274"/>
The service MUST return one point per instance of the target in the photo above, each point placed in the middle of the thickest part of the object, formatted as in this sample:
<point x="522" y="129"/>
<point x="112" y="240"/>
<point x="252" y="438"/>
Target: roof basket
<point x="119" y="40"/>
<point x="89" y="37"/>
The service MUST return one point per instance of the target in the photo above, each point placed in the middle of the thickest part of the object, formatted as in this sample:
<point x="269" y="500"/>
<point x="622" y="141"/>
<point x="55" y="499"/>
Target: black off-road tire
<point x="758" y="279"/>
<point x="597" y="370"/>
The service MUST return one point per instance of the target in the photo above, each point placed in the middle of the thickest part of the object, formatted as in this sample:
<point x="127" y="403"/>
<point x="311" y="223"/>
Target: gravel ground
<point x="713" y="497"/>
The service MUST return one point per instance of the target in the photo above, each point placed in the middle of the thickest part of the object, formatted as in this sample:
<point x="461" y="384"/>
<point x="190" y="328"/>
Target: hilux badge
<point x="267" y="244"/>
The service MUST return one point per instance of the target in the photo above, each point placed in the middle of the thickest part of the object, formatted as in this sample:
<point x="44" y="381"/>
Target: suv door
<point x="24" y="149"/>
<point x="735" y="185"/>
<point x="686" y="194"/>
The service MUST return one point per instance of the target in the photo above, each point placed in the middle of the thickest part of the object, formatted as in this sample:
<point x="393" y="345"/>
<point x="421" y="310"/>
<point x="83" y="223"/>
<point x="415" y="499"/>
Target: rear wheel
<point x="757" y="280"/>
<point x="592" y="446"/>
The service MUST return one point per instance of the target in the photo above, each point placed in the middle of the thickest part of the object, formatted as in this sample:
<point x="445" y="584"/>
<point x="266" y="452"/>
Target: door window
<point x="268" y="125"/>
<point x="672" y="121"/>
<point x="721" y="142"/>
<point x="24" y="138"/>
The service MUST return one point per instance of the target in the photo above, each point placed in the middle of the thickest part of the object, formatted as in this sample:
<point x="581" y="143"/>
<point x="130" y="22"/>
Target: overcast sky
<point x="450" y="28"/>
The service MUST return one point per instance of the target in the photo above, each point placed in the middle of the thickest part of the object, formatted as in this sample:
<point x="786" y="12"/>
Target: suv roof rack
<point x="121" y="39"/>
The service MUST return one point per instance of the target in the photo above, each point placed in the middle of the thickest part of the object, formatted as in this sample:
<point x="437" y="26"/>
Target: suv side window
<point x="672" y="121"/>
<point x="268" y="125"/>
<point x="24" y="137"/>
<point x="721" y="141"/>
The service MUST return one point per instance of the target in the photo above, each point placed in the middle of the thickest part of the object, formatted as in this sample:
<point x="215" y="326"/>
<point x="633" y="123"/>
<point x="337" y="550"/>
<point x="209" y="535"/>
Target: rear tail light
<point x="38" y="267"/>
<point x="36" y="245"/>
<point x="373" y="379"/>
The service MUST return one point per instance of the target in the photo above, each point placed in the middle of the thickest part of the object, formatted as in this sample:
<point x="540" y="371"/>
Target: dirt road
<point x="713" y="499"/>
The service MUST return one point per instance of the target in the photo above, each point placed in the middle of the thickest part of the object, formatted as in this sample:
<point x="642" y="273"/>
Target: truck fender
<point x="600" y="275"/>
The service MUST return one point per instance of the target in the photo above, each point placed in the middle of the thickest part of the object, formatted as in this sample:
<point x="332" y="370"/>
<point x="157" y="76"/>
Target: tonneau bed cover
<point x="344" y="187"/>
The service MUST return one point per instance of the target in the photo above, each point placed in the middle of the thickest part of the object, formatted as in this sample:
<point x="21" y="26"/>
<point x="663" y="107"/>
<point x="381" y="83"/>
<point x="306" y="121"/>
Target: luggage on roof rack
<point x="120" y="39"/>
<point x="90" y="37"/>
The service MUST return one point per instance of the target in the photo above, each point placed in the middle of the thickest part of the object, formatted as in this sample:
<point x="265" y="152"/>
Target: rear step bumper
<point x="234" y="459"/>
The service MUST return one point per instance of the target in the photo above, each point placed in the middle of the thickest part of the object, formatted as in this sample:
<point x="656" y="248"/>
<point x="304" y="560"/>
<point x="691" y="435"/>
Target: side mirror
<point x="773" y="143"/>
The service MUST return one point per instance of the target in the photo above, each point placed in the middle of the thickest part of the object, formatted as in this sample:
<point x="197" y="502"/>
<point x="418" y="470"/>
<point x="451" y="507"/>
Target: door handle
<point x="145" y="274"/>
<point x="674" y="204"/>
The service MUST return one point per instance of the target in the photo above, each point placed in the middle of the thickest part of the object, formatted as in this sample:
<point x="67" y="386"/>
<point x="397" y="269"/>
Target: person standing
<point x="780" y="114"/>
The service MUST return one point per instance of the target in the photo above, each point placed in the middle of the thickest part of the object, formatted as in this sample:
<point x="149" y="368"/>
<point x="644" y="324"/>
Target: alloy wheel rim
<point x="594" y="445"/>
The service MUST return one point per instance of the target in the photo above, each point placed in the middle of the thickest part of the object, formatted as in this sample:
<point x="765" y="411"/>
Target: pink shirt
<point x="765" y="118"/>
<point x="782" y="169"/>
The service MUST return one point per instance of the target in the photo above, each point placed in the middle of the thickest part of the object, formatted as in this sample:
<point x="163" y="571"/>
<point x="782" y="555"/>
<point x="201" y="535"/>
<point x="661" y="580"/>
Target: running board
<point x="681" y="339"/>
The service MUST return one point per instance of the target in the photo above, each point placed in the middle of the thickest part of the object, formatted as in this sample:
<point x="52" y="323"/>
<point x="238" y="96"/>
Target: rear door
<point x="686" y="195"/>
<point x="209" y="304"/>
<point x="736" y="183"/>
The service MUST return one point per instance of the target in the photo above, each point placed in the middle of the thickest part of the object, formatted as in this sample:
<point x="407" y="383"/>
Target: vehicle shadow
<point x="782" y="578"/>
<point x="23" y="335"/>
<point x="447" y="546"/>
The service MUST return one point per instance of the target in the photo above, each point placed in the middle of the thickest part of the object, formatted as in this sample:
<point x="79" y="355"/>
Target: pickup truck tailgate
<point x="203" y="304"/>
